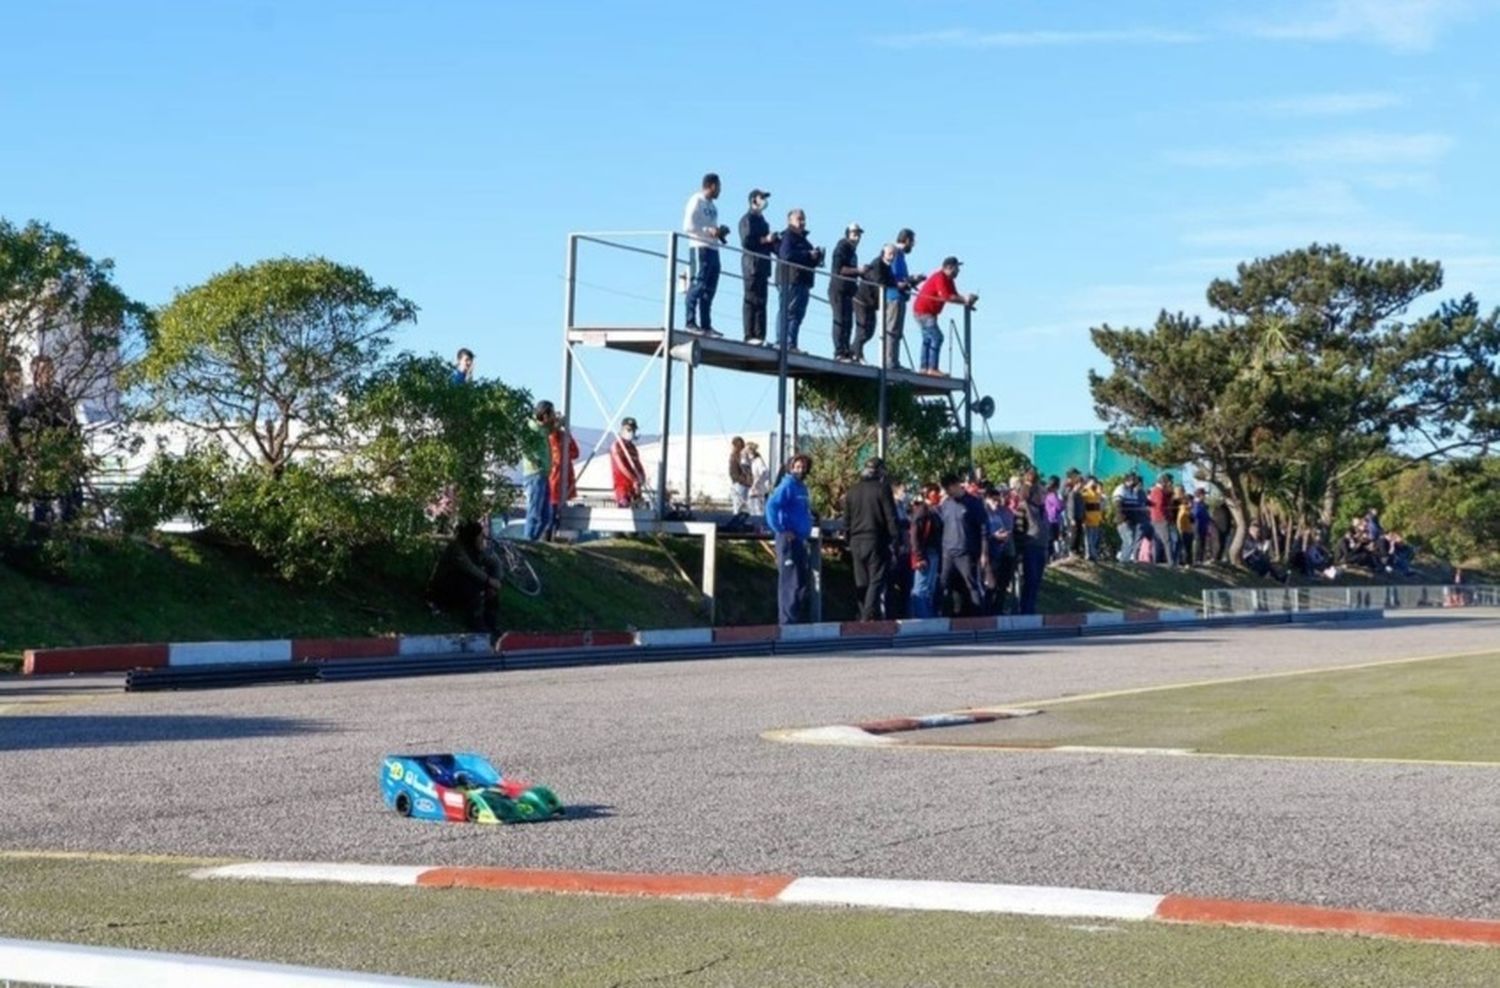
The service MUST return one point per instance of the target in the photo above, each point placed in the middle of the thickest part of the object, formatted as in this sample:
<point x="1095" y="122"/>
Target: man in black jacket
<point x="870" y="521"/>
<point x="794" y="278"/>
<point x="759" y="243"/>
<point x="845" y="264"/>
<point x="873" y="278"/>
<point x="466" y="580"/>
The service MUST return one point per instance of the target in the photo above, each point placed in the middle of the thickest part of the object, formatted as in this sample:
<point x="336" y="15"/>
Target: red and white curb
<point x="879" y="893"/>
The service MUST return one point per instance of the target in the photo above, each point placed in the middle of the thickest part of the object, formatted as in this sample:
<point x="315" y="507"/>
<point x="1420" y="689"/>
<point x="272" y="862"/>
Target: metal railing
<point x="1394" y="597"/>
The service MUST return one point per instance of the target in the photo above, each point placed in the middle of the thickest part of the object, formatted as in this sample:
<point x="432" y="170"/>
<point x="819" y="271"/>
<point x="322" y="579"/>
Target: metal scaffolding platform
<point x="751" y="358"/>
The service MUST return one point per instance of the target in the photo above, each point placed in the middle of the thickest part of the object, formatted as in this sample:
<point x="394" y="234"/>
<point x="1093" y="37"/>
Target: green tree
<point x="999" y="462"/>
<point x="1305" y="377"/>
<point x="57" y="301"/>
<point x="841" y="431"/>
<point x="263" y="358"/>
<point x="423" y="435"/>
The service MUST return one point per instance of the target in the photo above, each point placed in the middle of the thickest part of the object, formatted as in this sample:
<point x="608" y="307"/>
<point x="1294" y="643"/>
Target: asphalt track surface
<point x="666" y="770"/>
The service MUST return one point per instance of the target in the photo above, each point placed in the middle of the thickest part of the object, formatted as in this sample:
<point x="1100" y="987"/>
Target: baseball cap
<point x="758" y="194"/>
<point x="628" y="422"/>
<point x="950" y="259"/>
<point x="852" y="227"/>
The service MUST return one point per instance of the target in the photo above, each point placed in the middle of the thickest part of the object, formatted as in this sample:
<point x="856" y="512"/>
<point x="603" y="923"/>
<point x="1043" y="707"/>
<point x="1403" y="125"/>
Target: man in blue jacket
<point x="794" y="278"/>
<point x="789" y="516"/>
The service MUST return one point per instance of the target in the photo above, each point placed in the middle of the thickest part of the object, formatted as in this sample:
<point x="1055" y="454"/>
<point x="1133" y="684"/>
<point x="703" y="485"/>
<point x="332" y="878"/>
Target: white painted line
<point x="1006" y="712"/>
<point x="41" y="962"/>
<point x="970" y="897"/>
<point x="675" y="636"/>
<point x="315" y="871"/>
<point x="1104" y="749"/>
<point x="944" y="720"/>
<point x="219" y="653"/>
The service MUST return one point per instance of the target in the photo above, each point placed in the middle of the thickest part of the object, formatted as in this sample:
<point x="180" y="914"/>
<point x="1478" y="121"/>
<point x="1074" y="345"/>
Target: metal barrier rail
<point x="1394" y="597"/>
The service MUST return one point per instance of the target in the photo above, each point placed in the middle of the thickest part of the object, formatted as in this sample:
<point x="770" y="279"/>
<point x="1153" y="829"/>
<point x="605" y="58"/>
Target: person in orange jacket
<point x="554" y="480"/>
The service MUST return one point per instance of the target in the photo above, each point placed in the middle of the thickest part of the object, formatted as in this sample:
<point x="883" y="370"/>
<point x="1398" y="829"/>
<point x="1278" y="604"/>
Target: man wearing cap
<point x="938" y="290"/>
<point x="625" y="464"/>
<point x="870" y="523"/>
<point x="759" y="243"/>
<point x="844" y="265"/>
<point x="700" y="222"/>
<point x="794" y="278"/>
<point x="536" y="468"/>
<point x="898" y="287"/>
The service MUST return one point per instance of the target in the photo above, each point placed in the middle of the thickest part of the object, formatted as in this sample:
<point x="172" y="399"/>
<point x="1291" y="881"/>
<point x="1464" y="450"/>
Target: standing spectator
<point x="965" y="550"/>
<point x="844" y="265"/>
<point x="463" y="366"/>
<point x="870" y="521"/>
<point x="898" y="587"/>
<point x="794" y="278"/>
<point x="1001" y="530"/>
<point x="1054" y="506"/>
<point x="1203" y="522"/>
<point x="1129" y="503"/>
<point x="1372" y="525"/>
<point x="759" y="243"/>
<point x="700" y="221"/>
<point x="561" y="495"/>
<point x="1163" y="519"/>
<point x="39" y="425"/>
<point x="466" y="580"/>
<point x="625" y="464"/>
<point x="789" y="516"/>
<point x="938" y="290"/>
<point x="1223" y="522"/>
<point x="1183" y="505"/>
<point x="760" y="478"/>
<point x="873" y="278"/>
<point x="536" y="468"/>
<point x="896" y="292"/>
<point x="1093" y="518"/>
<point x="739" y="477"/>
<point x="926" y="553"/>
<point x="1034" y="549"/>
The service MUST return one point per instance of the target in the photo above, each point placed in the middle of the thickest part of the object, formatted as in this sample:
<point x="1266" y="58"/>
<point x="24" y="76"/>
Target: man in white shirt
<point x="700" y="222"/>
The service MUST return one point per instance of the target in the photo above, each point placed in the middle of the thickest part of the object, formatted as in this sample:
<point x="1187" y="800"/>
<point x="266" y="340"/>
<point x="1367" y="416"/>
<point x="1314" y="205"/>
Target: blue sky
<point x="1090" y="162"/>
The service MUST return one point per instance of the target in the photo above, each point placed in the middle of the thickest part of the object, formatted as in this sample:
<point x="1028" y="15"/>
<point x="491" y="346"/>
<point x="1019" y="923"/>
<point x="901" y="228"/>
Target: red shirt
<point x="1160" y="500"/>
<point x="936" y="289"/>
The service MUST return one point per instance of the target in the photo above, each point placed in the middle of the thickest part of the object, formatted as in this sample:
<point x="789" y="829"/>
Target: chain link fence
<point x="1396" y="597"/>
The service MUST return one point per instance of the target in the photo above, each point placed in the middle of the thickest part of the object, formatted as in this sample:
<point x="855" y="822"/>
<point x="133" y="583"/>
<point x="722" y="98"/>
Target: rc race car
<point x="462" y="787"/>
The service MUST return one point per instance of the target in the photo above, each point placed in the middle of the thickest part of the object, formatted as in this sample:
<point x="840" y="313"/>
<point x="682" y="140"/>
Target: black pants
<point x="866" y="315"/>
<point x="871" y="569"/>
<point x="842" y="304"/>
<point x="961" y="584"/>
<point x="794" y="576"/>
<point x="754" y="310"/>
<point x="1004" y="565"/>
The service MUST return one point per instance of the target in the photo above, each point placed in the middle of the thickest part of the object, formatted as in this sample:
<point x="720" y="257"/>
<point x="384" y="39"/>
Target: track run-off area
<point x="666" y="770"/>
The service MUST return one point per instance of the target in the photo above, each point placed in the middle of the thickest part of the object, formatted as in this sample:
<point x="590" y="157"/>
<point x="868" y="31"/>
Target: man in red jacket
<point x="937" y="290"/>
<point x="625" y="465"/>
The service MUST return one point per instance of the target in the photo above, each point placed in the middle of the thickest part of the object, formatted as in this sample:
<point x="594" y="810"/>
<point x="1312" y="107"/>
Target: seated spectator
<point x="1401" y="555"/>
<point x="1256" y="555"/>
<point x="466" y="580"/>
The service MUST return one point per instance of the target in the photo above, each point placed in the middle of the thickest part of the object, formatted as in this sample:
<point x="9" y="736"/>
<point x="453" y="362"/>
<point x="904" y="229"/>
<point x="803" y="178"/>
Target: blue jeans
<point x="924" y="588"/>
<point x="932" y="341"/>
<point x="1091" y="543"/>
<point x="700" y="294"/>
<point x="789" y="319"/>
<point x="538" y="506"/>
<point x="1033" y="563"/>
<point x="793" y="577"/>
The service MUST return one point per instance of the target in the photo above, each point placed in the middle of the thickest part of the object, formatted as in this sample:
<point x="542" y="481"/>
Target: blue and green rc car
<point x="462" y="787"/>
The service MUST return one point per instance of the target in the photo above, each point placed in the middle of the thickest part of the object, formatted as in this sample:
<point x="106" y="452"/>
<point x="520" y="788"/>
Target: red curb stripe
<point x="1190" y="909"/>
<point x="756" y="887"/>
<point x="1136" y="617"/>
<point x="1063" y="620"/>
<point x="860" y="629"/>
<point x="748" y="633"/>
<point x="101" y="658"/>
<point x="320" y="649"/>
<point x="973" y="623"/>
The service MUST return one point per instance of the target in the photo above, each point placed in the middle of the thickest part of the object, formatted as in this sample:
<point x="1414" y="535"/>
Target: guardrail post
<point x="663" y="501"/>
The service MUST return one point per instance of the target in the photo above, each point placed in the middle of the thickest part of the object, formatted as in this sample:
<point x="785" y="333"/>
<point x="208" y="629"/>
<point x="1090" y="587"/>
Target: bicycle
<point x="519" y="572"/>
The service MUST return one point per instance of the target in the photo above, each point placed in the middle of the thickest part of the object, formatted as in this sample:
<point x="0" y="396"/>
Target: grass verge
<point x="516" y="938"/>
<point x="1438" y="709"/>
